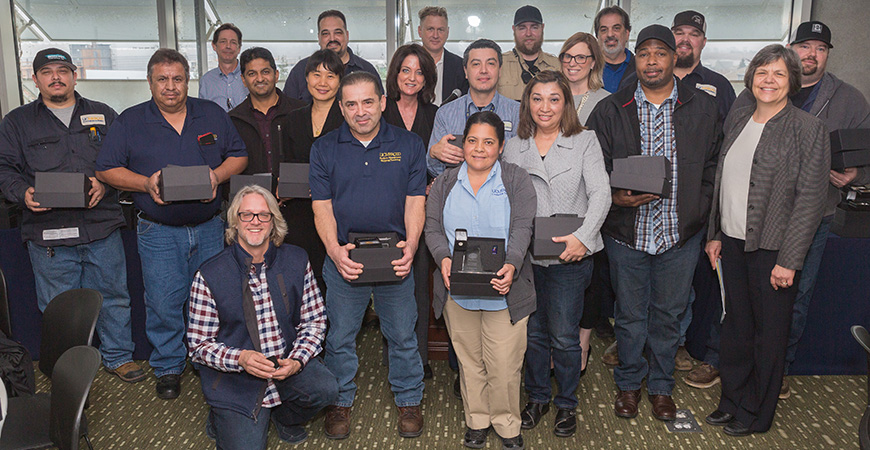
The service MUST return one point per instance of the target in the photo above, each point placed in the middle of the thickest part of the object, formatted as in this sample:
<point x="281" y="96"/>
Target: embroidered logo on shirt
<point x="508" y="126"/>
<point x="92" y="119"/>
<point x="708" y="88"/>
<point x="498" y="192"/>
<point x="387" y="157"/>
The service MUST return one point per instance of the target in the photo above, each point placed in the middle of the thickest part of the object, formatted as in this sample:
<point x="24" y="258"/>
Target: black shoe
<point x="169" y="386"/>
<point x="604" y="330"/>
<point x="427" y="372"/>
<point x="514" y="443"/>
<point x="566" y="423"/>
<point x="475" y="438"/>
<point x="586" y="363"/>
<point x="735" y="428"/>
<point x="532" y="414"/>
<point x="457" y="388"/>
<point x="719" y="418"/>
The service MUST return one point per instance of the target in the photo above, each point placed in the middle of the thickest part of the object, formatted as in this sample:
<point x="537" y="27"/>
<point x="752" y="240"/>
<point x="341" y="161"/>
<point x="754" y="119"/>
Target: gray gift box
<point x="475" y="266"/>
<point x="850" y="148"/>
<point x="293" y="181"/>
<point x="61" y="190"/>
<point x="375" y="251"/>
<point x="851" y="221"/>
<point x="546" y="228"/>
<point x="642" y="175"/>
<point x="237" y="182"/>
<point x="183" y="183"/>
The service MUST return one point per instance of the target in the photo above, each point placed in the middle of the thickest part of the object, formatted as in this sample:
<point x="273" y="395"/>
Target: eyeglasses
<point x="579" y="59"/>
<point x="245" y="216"/>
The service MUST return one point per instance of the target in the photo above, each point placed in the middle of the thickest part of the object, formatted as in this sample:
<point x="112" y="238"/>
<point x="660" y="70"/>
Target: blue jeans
<point x="805" y="288"/>
<point x="554" y="329"/>
<point x="686" y="317"/>
<point x="651" y="293"/>
<point x="302" y="396"/>
<point x="170" y="258"/>
<point x="99" y="265"/>
<point x="397" y="310"/>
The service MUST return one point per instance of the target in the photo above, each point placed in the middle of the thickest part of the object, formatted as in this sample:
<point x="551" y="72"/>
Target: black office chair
<point x="69" y="320"/>
<point x="43" y="421"/>
<point x="5" y="319"/>
<point x="863" y="337"/>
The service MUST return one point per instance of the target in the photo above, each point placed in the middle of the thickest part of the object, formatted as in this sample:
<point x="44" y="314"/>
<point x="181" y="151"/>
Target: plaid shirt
<point x="203" y="327"/>
<point x="656" y="223"/>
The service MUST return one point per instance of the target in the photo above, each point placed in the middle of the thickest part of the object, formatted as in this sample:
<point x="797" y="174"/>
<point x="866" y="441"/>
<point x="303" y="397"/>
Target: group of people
<point x="478" y="145"/>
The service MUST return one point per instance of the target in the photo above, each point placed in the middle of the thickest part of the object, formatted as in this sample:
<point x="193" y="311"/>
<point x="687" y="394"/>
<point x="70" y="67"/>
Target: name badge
<point x="508" y="126"/>
<point x="93" y="119"/>
<point x="708" y="88"/>
<point x="60" y="233"/>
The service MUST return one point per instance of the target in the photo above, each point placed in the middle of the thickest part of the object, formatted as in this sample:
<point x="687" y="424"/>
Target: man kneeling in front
<point x="257" y="320"/>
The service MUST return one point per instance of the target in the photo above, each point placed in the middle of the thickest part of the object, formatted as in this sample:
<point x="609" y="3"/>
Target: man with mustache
<point x="173" y="238"/>
<point x="369" y="177"/>
<point x="434" y="31"/>
<point x="612" y="27"/>
<point x="223" y="84"/>
<point x="526" y="58"/>
<point x="841" y="106"/>
<point x="332" y="33"/>
<point x="653" y="242"/>
<point x="61" y="131"/>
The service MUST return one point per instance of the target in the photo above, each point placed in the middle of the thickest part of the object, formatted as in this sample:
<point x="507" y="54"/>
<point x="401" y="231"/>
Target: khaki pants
<point x="490" y="350"/>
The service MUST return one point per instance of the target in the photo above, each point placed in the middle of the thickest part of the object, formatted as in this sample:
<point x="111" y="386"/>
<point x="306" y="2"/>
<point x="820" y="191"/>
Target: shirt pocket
<point x="46" y="154"/>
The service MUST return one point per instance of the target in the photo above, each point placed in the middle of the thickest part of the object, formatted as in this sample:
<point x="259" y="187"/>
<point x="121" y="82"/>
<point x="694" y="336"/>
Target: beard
<point x="60" y="98"/>
<point x="685" y="61"/>
<point x="536" y="47"/>
<point x="809" y="70"/>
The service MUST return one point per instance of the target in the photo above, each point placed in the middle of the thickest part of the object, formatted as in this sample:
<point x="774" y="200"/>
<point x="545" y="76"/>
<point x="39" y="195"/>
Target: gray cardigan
<point x="570" y="180"/>
<point x="787" y="186"/>
<point x="521" y="195"/>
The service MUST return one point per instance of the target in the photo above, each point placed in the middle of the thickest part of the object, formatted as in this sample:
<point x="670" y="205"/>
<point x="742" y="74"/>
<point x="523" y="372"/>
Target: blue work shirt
<point x="613" y="73"/>
<point x="227" y="90"/>
<point x="487" y="214"/>
<point x="142" y="141"/>
<point x="451" y="118"/>
<point x="297" y="87"/>
<point x="368" y="186"/>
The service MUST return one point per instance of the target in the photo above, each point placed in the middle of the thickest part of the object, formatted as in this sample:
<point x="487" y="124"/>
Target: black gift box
<point x="375" y="251"/>
<point x="237" y="182"/>
<point x="475" y="265"/>
<point x="182" y="183"/>
<point x="61" y="190"/>
<point x="546" y="228"/>
<point x="642" y="175"/>
<point x="850" y="148"/>
<point x="851" y="222"/>
<point x="293" y="181"/>
<point x="10" y="215"/>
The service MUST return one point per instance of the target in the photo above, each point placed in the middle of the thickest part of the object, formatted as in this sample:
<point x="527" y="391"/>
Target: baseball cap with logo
<point x="692" y="19"/>
<point x="52" y="56"/>
<point x="528" y="13"/>
<point x="813" y="30"/>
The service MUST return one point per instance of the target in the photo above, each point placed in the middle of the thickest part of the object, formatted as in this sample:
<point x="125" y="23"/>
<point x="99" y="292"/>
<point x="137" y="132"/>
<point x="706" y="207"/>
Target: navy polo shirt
<point x="368" y="186"/>
<point x="143" y="141"/>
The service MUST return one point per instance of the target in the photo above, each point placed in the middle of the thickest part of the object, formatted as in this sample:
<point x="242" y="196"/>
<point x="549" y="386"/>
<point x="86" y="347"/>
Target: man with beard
<point x="332" y="34"/>
<point x="841" y="106"/>
<point x="61" y="131"/>
<point x="653" y="242"/>
<point x="612" y="27"/>
<point x="434" y="31"/>
<point x="223" y="84"/>
<point x="526" y="58"/>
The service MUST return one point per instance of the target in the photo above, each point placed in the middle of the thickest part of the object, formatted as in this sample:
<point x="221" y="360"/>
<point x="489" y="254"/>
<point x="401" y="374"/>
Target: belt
<point x="143" y="215"/>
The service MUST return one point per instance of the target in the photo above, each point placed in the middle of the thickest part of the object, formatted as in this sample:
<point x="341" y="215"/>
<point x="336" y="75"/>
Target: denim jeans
<point x="397" y="310"/>
<point x="651" y="293"/>
<point x="554" y="329"/>
<point x="170" y="258"/>
<point x="99" y="265"/>
<point x="302" y="396"/>
<point x="805" y="288"/>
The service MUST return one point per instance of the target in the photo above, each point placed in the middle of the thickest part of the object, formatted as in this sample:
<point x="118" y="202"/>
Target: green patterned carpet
<point x="823" y="412"/>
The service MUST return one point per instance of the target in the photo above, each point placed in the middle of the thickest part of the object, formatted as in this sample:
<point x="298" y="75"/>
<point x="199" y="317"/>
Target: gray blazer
<point x="570" y="180"/>
<point x="787" y="186"/>
<point x="521" y="195"/>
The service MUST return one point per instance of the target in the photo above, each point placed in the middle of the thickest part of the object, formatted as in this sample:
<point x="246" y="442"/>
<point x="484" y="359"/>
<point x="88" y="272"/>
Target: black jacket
<point x="246" y="124"/>
<point x="424" y="119"/>
<point x="454" y="76"/>
<point x="698" y="134"/>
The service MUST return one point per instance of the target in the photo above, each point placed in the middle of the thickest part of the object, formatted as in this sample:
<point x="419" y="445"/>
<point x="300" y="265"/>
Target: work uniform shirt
<point x="368" y="185"/>
<point x="714" y="84"/>
<point x="225" y="89"/>
<point x="510" y="78"/>
<point x="33" y="140"/>
<point x="297" y="87"/>
<point x="144" y="142"/>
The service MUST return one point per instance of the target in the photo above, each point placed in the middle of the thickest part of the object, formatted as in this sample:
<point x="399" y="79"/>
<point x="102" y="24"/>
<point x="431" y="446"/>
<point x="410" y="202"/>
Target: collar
<point x="354" y="60"/>
<point x="625" y="96"/>
<point x="462" y="175"/>
<point x="628" y="56"/>
<point x="385" y="134"/>
<point x="236" y="73"/>
<point x="640" y="95"/>
<point x="40" y="104"/>
<point x="153" y="114"/>
<point x="561" y="141"/>
<point x="245" y="260"/>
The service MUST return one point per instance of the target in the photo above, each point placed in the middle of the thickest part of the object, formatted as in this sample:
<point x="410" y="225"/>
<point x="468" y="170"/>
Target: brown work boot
<point x="703" y="377"/>
<point x="129" y="372"/>
<point x="663" y="407"/>
<point x="410" y="421"/>
<point x="336" y="424"/>
<point x="683" y="360"/>
<point x="784" y="391"/>
<point x="611" y="355"/>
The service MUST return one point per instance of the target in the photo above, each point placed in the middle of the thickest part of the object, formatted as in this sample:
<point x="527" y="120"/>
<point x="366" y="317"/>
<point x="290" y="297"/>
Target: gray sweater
<point x="570" y="180"/>
<point x="521" y="195"/>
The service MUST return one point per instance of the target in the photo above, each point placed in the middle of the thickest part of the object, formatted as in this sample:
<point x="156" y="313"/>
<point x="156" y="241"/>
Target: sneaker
<point x="410" y="421"/>
<point x="129" y="372"/>
<point x="475" y="438"/>
<point x="514" y="443"/>
<point x="683" y="360"/>
<point x="784" y="391"/>
<point x="336" y="423"/>
<point x="703" y="377"/>
<point x="611" y="355"/>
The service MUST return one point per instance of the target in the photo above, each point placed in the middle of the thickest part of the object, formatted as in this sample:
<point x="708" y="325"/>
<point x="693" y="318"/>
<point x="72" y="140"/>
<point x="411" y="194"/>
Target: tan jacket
<point x="510" y="78"/>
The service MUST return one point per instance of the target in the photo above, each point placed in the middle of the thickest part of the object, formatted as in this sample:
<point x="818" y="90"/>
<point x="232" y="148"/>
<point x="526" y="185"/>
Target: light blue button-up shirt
<point x="487" y="214"/>
<point x="227" y="90"/>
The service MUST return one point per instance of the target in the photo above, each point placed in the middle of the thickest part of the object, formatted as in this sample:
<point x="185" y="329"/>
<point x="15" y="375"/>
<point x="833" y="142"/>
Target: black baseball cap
<point x="692" y="19"/>
<point x="528" y="13"/>
<point x="813" y="30"/>
<point x="659" y="32"/>
<point x="52" y="56"/>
